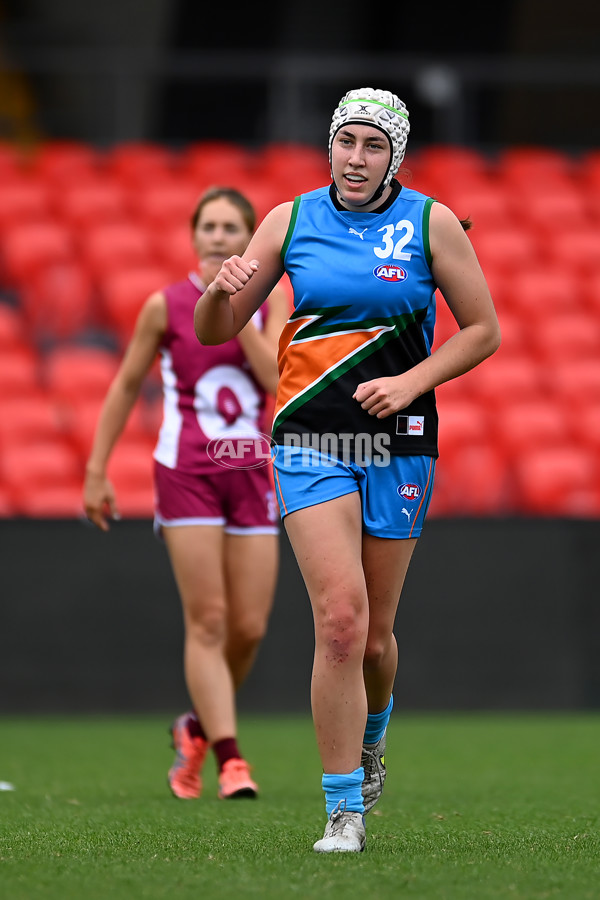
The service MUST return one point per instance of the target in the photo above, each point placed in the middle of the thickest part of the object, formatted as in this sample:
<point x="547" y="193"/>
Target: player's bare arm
<point x="98" y="494"/>
<point x="459" y="277"/>
<point x="243" y="283"/>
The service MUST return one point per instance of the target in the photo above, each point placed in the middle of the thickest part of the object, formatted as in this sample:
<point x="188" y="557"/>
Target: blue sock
<point x="377" y="723"/>
<point x="346" y="789"/>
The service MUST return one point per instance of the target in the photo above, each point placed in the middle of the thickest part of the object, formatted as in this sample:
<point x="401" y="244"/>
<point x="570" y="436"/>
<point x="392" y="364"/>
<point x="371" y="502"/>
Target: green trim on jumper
<point x="426" y="245"/>
<point x="291" y="227"/>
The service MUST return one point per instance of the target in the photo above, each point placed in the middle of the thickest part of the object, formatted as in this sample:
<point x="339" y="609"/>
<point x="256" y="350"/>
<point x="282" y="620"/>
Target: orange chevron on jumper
<point x="314" y="351"/>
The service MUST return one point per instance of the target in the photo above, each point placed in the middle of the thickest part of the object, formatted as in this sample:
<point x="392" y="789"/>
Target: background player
<point x="219" y="523"/>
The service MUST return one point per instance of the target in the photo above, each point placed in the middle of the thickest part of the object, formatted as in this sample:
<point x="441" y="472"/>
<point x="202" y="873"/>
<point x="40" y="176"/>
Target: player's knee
<point x="341" y="632"/>
<point x="381" y="649"/>
<point x="208" y="627"/>
<point x="247" y="634"/>
<point x="375" y="651"/>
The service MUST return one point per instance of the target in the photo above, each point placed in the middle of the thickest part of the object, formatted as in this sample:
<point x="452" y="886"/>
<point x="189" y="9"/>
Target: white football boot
<point x="344" y="833"/>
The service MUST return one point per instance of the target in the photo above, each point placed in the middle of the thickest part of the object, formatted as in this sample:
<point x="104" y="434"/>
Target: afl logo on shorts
<point x="390" y="273"/>
<point x="249" y="452"/>
<point x="409" y="491"/>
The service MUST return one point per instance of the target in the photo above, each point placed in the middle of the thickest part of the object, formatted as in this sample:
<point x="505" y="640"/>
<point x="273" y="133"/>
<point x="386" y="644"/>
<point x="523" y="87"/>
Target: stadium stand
<point x="28" y="246"/>
<point x="59" y="301"/>
<point x="124" y="291"/>
<point x="87" y="234"/>
<point x="92" y="202"/>
<point x="63" y="162"/>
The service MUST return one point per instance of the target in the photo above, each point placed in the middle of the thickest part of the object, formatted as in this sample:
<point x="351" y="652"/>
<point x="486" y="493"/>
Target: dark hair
<point x="234" y="197"/>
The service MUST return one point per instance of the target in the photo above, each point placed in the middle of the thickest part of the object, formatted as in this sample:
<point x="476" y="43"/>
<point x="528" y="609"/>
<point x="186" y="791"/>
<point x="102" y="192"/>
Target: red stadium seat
<point x="64" y="162"/>
<point x="566" y="336"/>
<point x="584" y="425"/>
<point x="59" y="300"/>
<point x="542" y="209"/>
<point x="441" y="167"/>
<point x="80" y="420"/>
<point x="113" y="246"/>
<point x="462" y="424"/>
<point x="559" y="481"/>
<point x="25" y="201"/>
<point x="173" y="249"/>
<point x="525" y="424"/>
<point x="473" y="482"/>
<point x="485" y="203"/>
<point x="522" y="166"/>
<point x="211" y="163"/>
<point x="457" y="390"/>
<point x="11" y="163"/>
<point x="501" y="379"/>
<point x="39" y="464"/>
<point x="28" y="247"/>
<point x="131" y="463"/>
<point x="124" y="293"/>
<point x="92" y="203"/>
<point x="7" y="507"/>
<point x="292" y="168"/>
<point x="542" y="290"/>
<point x="34" y="417"/>
<point x="511" y="248"/>
<point x="588" y="171"/>
<point x="72" y="373"/>
<point x="13" y="335"/>
<point x="50" y="501"/>
<point x="575" y="383"/>
<point x="590" y="292"/>
<point x="166" y="205"/>
<point x="515" y="334"/>
<point x="140" y="164"/>
<point x="575" y="248"/>
<point x="19" y="372"/>
<point x="264" y="196"/>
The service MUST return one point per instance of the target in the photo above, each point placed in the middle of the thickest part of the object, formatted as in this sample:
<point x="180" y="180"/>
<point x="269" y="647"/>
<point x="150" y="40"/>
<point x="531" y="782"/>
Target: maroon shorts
<point x="242" y="500"/>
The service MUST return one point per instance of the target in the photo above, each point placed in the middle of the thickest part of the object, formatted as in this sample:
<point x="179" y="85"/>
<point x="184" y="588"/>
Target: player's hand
<point x="99" y="501"/>
<point x="382" y="397"/>
<point x="234" y="274"/>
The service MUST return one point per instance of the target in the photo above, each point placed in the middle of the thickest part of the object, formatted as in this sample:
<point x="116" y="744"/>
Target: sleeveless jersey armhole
<point x="291" y="227"/>
<point x="426" y="214"/>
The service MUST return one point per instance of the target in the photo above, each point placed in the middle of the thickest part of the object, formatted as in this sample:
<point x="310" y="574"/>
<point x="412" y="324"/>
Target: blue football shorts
<point x="394" y="497"/>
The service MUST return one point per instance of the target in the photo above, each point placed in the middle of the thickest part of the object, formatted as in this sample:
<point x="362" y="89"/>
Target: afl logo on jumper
<point x="409" y="491"/>
<point x="390" y="273"/>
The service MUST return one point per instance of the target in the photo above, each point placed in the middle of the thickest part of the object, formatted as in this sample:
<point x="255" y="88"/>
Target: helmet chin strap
<point x="375" y="196"/>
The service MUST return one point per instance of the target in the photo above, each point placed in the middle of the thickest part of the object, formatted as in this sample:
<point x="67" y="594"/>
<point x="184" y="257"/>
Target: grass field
<point x="475" y="807"/>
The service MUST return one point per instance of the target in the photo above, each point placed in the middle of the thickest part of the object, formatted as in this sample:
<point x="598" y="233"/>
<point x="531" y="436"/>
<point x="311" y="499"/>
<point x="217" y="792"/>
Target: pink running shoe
<point x="235" y="781"/>
<point x="184" y="774"/>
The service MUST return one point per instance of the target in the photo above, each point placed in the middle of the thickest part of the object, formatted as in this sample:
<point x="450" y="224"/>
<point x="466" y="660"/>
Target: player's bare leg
<point x="385" y="563"/>
<point x="251" y="563"/>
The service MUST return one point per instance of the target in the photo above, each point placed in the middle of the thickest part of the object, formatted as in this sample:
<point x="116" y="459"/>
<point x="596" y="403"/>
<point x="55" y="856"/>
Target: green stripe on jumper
<point x="426" y="245"/>
<point x="291" y="227"/>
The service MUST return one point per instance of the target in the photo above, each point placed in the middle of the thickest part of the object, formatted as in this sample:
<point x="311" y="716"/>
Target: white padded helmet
<point x="381" y="109"/>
